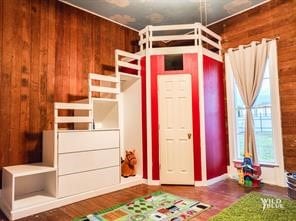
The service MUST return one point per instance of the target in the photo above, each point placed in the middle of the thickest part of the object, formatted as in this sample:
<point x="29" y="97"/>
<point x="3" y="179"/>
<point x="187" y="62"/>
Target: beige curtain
<point x="248" y="64"/>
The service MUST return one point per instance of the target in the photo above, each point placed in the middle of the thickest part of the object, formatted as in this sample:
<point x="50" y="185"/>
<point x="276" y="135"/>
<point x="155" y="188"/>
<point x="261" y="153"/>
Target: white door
<point x="175" y="129"/>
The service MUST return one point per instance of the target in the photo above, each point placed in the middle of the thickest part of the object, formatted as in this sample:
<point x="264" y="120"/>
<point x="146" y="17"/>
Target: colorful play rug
<point x="258" y="207"/>
<point x="154" y="207"/>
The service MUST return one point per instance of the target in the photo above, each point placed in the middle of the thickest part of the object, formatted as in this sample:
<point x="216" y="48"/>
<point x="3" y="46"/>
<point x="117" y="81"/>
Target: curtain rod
<point x="257" y="43"/>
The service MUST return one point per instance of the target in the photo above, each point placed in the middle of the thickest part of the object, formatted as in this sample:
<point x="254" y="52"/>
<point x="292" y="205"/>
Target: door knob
<point x="189" y="136"/>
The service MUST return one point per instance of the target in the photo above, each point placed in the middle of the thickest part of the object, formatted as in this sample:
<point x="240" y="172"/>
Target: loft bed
<point x="111" y="114"/>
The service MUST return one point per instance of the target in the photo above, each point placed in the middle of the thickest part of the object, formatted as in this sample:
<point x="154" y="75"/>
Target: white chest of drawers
<point x="86" y="161"/>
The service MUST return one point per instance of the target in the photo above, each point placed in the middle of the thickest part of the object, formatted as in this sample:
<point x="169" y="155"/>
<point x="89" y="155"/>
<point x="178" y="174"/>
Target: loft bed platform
<point x="180" y="38"/>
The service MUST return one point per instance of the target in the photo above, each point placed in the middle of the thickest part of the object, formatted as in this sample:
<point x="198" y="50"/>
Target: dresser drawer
<point x="88" y="160"/>
<point x="92" y="180"/>
<point x="87" y="140"/>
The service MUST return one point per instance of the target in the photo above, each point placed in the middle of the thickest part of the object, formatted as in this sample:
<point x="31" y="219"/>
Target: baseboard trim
<point x="199" y="183"/>
<point x="217" y="179"/>
<point x="212" y="181"/>
<point x="153" y="182"/>
<point x="145" y="181"/>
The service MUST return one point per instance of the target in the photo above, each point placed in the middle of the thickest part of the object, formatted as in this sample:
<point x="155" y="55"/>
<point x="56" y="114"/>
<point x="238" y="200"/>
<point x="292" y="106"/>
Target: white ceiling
<point x="137" y="14"/>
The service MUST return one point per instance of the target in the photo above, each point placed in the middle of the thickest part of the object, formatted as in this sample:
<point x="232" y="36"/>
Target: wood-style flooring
<point x="219" y="195"/>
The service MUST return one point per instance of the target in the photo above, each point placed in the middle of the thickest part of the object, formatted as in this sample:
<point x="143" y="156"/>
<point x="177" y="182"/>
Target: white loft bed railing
<point x="127" y="60"/>
<point x="60" y="119"/>
<point x="128" y="67"/>
<point x="103" y="88"/>
<point x="199" y="34"/>
<point x="109" y="85"/>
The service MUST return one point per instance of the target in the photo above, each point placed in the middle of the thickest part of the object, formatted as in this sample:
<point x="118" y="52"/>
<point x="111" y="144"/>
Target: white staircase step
<point x="28" y="169"/>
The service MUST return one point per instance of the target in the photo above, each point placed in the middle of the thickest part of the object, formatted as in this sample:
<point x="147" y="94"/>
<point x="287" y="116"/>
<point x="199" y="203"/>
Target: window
<point x="267" y="120"/>
<point x="173" y="62"/>
<point x="263" y="121"/>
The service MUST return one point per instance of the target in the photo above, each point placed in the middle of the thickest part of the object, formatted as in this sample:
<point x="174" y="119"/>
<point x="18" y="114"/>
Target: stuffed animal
<point x="128" y="164"/>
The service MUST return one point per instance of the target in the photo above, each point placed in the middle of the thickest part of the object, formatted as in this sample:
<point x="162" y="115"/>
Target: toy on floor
<point x="128" y="164"/>
<point x="248" y="173"/>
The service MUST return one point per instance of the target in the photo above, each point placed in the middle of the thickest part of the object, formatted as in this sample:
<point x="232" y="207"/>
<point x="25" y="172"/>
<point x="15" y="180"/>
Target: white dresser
<point x="87" y="160"/>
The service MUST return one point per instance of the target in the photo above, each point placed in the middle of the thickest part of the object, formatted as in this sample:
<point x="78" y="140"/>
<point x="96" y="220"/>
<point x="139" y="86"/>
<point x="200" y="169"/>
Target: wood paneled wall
<point x="47" y="49"/>
<point x="275" y="18"/>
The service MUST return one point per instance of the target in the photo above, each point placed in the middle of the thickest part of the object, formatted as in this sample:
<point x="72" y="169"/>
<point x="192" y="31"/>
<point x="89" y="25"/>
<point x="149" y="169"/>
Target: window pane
<point x="240" y="123"/>
<point x="263" y="97"/>
<point x="240" y="132"/>
<point x="263" y="121"/>
<point x="265" y="148"/>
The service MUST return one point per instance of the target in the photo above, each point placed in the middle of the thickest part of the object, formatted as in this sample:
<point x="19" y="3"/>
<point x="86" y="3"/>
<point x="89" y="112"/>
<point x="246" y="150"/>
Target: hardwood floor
<point x="220" y="195"/>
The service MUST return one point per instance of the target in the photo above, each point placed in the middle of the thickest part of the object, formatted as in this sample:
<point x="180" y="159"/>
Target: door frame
<point x="192" y="64"/>
<point x="192" y="126"/>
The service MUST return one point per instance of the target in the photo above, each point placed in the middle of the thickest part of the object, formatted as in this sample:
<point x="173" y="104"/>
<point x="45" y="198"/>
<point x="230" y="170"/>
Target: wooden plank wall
<point x="275" y="18"/>
<point x="47" y="49"/>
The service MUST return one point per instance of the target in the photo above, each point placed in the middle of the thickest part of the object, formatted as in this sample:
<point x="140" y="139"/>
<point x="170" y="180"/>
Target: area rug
<point x="153" y="207"/>
<point x="258" y="207"/>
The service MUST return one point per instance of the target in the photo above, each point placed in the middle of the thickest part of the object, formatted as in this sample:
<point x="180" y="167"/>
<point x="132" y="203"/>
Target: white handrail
<point x="213" y="34"/>
<point x="209" y="41"/>
<point x="100" y="77"/>
<point x="106" y="85"/>
<point x="173" y="37"/>
<point x="172" y="27"/>
<point x="128" y="60"/>
<point x="129" y="65"/>
<point x="127" y="54"/>
<point x="72" y="106"/>
<point x="72" y="119"/>
<point x="113" y="88"/>
<point x="196" y="32"/>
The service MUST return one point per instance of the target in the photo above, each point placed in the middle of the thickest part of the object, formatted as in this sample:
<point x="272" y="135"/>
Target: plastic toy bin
<point x="291" y="181"/>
